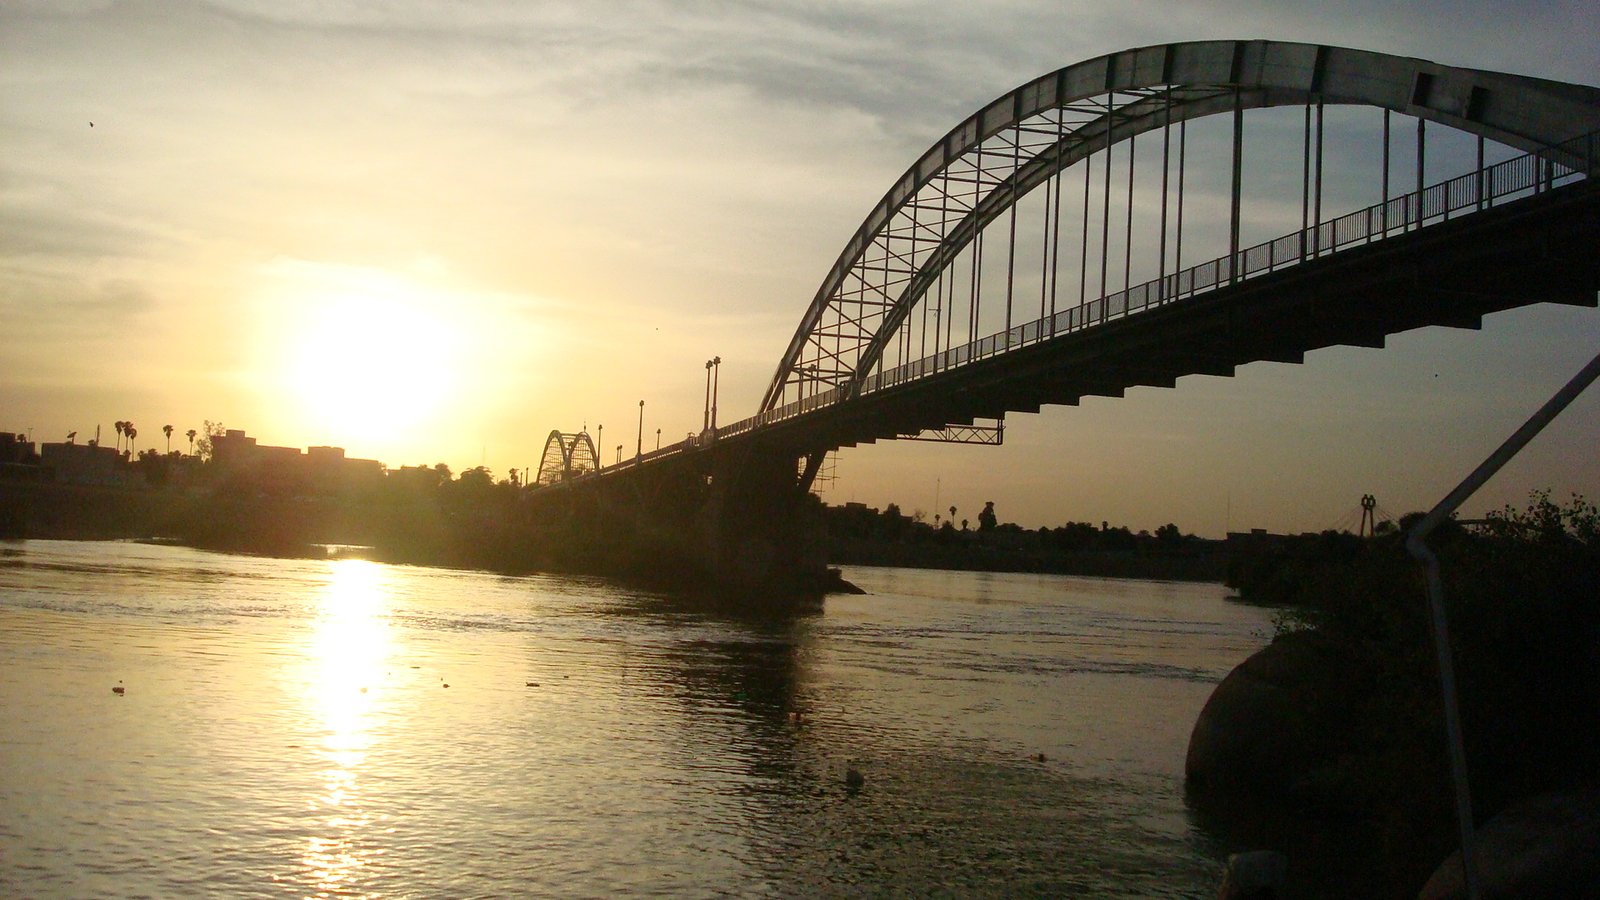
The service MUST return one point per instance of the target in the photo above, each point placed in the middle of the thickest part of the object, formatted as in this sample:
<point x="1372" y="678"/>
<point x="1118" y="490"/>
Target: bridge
<point x="1003" y="271"/>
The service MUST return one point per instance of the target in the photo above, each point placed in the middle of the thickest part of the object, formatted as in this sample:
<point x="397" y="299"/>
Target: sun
<point x="368" y="367"/>
<point x="367" y="358"/>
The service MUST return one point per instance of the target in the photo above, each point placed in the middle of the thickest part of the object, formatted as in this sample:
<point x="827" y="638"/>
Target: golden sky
<point x="434" y="232"/>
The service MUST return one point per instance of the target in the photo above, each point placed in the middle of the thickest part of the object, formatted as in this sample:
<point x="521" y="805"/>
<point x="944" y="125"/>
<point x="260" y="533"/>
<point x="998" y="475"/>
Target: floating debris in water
<point x="447" y="684"/>
<point x="853" y="779"/>
<point x="1038" y="757"/>
<point x="533" y="684"/>
<point x="119" y="689"/>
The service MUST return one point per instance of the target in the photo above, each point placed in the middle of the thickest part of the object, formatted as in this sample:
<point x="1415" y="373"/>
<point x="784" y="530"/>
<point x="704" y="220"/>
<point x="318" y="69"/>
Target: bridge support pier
<point x="741" y="520"/>
<point x="761" y="527"/>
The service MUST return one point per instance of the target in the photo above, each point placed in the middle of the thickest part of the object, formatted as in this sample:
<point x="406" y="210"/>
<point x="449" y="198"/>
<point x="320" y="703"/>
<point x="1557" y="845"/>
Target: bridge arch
<point x="566" y="456"/>
<point x="1048" y="124"/>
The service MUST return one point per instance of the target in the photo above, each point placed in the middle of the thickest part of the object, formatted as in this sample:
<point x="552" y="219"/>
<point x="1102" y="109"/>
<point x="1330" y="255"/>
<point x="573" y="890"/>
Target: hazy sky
<point x="433" y="232"/>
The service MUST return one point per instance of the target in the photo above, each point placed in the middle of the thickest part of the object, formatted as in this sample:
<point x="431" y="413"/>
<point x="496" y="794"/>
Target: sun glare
<point x="351" y="648"/>
<point x="367" y="357"/>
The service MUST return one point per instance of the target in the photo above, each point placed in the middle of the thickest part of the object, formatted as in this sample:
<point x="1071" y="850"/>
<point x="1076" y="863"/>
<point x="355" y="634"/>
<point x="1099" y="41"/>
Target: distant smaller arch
<point x="567" y="456"/>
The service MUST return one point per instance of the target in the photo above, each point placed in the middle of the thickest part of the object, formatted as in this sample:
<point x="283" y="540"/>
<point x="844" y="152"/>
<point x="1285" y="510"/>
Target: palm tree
<point x="168" y="430"/>
<point x="132" y="433"/>
<point x="120" y="425"/>
<point x="191" y="434"/>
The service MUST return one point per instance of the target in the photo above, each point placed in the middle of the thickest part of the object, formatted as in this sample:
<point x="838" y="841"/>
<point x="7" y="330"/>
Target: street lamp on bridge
<point x="716" y="377"/>
<point x="639" y="449"/>
<point x="706" y="418"/>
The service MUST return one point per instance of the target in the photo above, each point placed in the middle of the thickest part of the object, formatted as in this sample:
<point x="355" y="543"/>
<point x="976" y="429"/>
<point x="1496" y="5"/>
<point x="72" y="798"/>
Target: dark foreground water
<point x="286" y="729"/>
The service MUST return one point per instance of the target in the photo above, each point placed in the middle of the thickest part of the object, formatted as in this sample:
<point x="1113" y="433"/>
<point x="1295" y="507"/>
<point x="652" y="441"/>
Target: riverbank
<point x="482" y="525"/>
<point x="1329" y="744"/>
<point x="860" y="535"/>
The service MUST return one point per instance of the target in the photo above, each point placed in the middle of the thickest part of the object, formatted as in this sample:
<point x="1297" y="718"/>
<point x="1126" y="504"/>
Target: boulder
<point x="1545" y="846"/>
<point x="1258" y="735"/>
<point x="1257" y="875"/>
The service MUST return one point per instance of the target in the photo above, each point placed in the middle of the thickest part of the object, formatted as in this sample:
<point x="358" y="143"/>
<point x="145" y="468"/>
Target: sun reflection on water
<point x="349" y="650"/>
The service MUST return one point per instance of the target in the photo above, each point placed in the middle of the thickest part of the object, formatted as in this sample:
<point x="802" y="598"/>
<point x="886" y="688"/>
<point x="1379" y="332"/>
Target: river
<point x="344" y="728"/>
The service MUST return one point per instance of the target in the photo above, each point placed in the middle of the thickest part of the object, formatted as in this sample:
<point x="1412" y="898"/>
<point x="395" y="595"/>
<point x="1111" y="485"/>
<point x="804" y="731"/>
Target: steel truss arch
<point x="567" y="456"/>
<point x="887" y="267"/>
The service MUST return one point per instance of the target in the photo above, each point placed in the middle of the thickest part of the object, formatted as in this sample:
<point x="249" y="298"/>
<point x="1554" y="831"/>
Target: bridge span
<point x="986" y="280"/>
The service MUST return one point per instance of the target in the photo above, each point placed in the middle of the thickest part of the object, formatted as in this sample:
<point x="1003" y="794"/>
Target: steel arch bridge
<point x="928" y="322"/>
<point x="900" y="260"/>
<point x="567" y="456"/>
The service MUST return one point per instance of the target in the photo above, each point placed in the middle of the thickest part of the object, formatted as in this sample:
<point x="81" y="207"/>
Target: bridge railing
<point x="1502" y="182"/>
<point x="1499" y="183"/>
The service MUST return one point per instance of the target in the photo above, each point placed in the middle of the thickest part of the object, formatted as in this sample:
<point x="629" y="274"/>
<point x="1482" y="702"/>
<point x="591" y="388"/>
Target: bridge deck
<point x="1540" y="249"/>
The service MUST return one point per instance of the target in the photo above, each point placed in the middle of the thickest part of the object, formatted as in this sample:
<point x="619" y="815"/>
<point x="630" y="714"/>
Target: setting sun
<point x="363" y="354"/>
<point x="370" y="367"/>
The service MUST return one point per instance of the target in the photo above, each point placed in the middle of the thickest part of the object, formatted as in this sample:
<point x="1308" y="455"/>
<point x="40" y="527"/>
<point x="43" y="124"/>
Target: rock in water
<point x="1257" y="875"/>
<point x="1545" y="846"/>
<point x="1253" y="736"/>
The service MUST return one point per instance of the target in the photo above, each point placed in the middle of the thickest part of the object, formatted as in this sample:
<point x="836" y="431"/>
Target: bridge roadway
<point x="1535" y="250"/>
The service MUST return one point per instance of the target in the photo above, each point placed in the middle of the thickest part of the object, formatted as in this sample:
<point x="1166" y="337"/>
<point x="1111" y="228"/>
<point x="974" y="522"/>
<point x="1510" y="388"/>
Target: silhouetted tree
<point x="167" y="430"/>
<point x="191" y="435"/>
<point x="986" y="518"/>
<point x="120" y="426"/>
<point x="209" y="432"/>
<point x="894" y="522"/>
<point x="477" y="476"/>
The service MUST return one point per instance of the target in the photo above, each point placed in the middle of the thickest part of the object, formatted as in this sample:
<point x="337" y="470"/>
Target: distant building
<point x="16" y="448"/>
<point x="331" y="471"/>
<point x="321" y="470"/>
<point x="83" y="464"/>
<point x="18" y="460"/>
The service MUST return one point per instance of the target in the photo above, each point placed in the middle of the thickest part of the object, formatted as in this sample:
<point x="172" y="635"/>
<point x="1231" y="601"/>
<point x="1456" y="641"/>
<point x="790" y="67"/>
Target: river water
<point x="346" y="728"/>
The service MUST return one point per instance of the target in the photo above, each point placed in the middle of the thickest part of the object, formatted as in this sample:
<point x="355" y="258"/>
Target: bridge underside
<point x="1541" y="249"/>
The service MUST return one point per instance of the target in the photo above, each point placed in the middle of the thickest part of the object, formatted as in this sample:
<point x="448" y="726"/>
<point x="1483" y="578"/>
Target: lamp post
<point x="658" y="439"/>
<point x="619" y="454"/>
<point x="639" y="448"/>
<point x="707" y="418"/>
<point x="600" y="441"/>
<point x="716" y="377"/>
